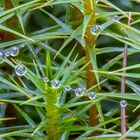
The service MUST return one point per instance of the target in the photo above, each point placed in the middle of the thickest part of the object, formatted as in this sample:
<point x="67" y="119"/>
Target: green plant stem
<point x="52" y="108"/>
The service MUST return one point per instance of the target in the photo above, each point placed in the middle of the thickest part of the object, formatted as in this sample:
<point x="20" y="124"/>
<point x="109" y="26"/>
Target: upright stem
<point x="52" y="108"/>
<point x="123" y="117"/>
<point x="89" y="8"/>
<point x="123" y="111"/>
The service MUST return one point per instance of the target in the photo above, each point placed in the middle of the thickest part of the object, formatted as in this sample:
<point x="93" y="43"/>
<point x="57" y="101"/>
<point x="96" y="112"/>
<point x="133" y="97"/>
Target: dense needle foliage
<point x="62" y="59"/>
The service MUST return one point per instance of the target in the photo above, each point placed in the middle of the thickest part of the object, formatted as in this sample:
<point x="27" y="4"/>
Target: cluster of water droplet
<point x="80" y="91"/>
<point x="20" y="69"/>
<point x="13" y="51"/>
<point x="96" y="29"/>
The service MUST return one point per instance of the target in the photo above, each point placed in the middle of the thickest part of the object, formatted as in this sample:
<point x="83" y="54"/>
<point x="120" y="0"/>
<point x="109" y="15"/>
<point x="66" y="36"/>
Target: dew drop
<point x="14" y="51"/>
<point x="20" y="70"/>
<point x="22" y="45"/>
<point x="7" y="53"/>
<point x="1" y="58"/>
<point x="92" y="95"/>
<point x="79" y="91"/>
<point x="109" y="112"/>
<point x="45" y="79"/>
<point x="67" y="88"/>
<point x="55" y="84"/>
<point x="123" y="103"/>
<point x="115" y="18"/>
<point x="95" y="29"/>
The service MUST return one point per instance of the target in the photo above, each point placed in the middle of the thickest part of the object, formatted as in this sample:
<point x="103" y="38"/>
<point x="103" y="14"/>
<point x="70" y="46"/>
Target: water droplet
<point x="14" y="51"/>
<point x="109" y="113"/>
<point x="20" y="70"/>
<point x="55" y="84"/>
<point x="45" y="79"/>
<point x="123" y="103"/>
<point x="7" y="53"/>
<point x="115" y="18"/>
<point x="92" y="95"/>
<point x="67" y="88"/>
<point x="1" y="58"/>
<point x="22" y="45"/>
<point x="79" y="91"/>
<point x="95" y="29"/>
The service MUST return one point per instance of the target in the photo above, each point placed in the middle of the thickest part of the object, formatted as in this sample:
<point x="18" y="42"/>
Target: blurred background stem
<point x="12" y="23"/>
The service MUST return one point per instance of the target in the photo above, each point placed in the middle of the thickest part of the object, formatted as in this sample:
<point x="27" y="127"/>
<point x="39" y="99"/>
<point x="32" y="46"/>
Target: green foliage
<point x="31" y="109"/>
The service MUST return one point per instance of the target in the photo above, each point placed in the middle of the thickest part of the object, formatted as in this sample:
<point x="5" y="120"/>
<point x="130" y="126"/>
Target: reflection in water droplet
<point x="1" y="58"/>
<point x="45" y="79"/>
<point x="115" y="18"/>
<point x="123" y="103"/>
<point x="67" y="88"/>
<point x="20" y="70"/>
<point x="79" y="91"/>
<point x="95" y="29"/>
<point x="14" y="51"/>
<point x="55" y="84"/>
<point x="92" y="95"/>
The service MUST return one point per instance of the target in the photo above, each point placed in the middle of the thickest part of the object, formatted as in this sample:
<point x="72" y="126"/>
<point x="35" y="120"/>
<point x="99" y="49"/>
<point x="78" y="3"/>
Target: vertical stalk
<point x="52" y="108"/>
<point x="123" y="117"/>
<point x="123" y="111"/>
<point x="89" y="8"/>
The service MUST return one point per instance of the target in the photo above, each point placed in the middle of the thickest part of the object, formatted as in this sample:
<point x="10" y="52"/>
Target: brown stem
<point x="124" y="64"/>
<point x="89" y="8"/>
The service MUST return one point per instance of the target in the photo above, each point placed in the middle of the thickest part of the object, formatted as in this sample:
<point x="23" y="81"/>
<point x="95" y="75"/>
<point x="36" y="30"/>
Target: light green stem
<point x="52" y="108"/>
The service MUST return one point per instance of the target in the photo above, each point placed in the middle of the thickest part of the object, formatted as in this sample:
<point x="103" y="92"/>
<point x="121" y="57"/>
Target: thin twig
<point x="123" y="111"/>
